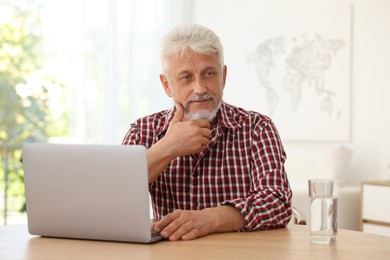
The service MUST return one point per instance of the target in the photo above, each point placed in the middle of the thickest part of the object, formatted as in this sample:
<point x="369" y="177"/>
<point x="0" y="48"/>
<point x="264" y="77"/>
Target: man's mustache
<point x="197" y="98"/>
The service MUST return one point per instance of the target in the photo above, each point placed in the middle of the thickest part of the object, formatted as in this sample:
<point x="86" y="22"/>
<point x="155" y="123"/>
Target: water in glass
<point x="323" y="212"/>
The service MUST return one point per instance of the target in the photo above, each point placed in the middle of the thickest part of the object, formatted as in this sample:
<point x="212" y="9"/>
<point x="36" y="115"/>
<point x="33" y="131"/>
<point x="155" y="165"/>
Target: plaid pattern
<point x="242" y="166"/>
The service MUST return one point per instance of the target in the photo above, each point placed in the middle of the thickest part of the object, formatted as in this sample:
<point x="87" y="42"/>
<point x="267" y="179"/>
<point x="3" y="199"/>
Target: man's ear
<point x="224" y="75"/>
<point x="165" y="83"/>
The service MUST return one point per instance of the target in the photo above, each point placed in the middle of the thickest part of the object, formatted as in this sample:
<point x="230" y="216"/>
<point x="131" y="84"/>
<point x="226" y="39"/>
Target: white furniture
<point x="349" y="204"/>
<point x="375" y="213"/>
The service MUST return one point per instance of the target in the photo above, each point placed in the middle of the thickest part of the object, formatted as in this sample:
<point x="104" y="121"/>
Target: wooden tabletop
<point x="288" y="243"/>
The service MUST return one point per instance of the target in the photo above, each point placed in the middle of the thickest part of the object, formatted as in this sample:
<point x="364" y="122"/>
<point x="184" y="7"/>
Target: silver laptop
<point x="97" y="192"/>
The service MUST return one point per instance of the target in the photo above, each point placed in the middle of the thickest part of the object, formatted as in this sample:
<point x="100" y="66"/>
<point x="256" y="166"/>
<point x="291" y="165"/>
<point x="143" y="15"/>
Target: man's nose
<point x="200" y="87"/>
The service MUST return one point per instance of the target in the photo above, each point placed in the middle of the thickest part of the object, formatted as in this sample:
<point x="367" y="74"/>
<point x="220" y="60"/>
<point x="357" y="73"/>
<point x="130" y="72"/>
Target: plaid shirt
<point x="242" y="166"/>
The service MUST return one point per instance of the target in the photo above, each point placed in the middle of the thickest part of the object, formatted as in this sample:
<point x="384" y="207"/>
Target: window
<point x="111" y="49"/>
<point x="103" y="60"/>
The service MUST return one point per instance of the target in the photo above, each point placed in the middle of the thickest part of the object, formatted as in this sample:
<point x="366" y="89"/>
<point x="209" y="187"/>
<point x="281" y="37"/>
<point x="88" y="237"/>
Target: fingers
<point x="179" y="113"/>
<point x="202" y="123"/>
<point x="194" y="233"/>
<point x="187" y="137"/>
<point x="176" y="231"/>
<point x="165" y="221"/>
<point x="207" y="133"/>
<point x="168" y="225"/>
<point x="180" y="225"/>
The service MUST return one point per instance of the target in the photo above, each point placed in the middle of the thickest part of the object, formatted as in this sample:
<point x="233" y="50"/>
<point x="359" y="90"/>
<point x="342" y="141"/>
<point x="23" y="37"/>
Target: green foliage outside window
<point x="25" y="91"/>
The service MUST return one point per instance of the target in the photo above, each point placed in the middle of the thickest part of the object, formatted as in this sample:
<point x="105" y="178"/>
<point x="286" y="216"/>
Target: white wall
<point x="370" y="95"/>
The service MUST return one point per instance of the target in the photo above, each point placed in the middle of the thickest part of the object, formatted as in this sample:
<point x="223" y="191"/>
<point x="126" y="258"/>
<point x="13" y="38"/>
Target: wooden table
<point x="289" y="243"/>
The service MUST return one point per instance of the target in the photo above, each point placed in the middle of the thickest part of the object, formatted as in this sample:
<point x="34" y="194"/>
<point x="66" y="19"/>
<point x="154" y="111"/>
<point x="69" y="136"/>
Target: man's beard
<point x="203" y="113"/>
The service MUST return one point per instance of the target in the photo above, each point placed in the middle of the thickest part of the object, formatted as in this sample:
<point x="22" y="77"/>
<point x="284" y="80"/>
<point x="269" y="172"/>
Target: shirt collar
<point x="227" y="116"/>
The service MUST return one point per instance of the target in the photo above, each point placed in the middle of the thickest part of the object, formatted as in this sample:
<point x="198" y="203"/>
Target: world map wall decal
<point x="304" y="64"/>
<point x="298" y="71"/>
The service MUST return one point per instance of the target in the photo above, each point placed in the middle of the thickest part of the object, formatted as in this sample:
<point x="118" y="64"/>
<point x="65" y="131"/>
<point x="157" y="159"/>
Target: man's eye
<point x="185" y="78"/>
<point x="210" y="73"/>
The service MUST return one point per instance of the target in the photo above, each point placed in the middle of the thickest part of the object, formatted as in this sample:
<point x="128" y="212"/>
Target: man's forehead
<point x="191" y="61"/>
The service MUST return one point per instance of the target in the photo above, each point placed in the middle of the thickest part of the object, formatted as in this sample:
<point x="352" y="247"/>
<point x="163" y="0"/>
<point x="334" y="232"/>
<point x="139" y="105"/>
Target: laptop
<point x="96" y="192"/>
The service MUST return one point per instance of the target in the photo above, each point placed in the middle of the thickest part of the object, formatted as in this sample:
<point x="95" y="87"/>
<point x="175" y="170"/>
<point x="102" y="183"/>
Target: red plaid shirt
<point x="242" y="166"/>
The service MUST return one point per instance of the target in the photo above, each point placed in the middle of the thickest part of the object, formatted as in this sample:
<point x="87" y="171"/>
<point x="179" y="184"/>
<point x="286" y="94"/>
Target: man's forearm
<point x="158" y="159"/>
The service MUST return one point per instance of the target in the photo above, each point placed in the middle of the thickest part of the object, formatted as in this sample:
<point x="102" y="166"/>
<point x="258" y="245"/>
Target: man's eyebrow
<point x="180" y="73"/>
<point x="209" y="68"/>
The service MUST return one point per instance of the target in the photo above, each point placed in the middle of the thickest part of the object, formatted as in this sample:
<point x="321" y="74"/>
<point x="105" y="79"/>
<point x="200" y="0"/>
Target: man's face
<point x="195" y="81"/>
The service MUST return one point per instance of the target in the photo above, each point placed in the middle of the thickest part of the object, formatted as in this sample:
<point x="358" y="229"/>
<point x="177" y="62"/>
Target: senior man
<point x="213" y="167"/>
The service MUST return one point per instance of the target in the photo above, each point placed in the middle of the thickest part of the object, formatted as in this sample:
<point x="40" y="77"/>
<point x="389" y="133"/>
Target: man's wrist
<point x="226" y="218"/>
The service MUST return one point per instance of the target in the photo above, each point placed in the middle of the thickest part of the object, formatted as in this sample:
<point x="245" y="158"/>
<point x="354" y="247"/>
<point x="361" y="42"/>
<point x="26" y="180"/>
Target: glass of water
<point x="323" y="195"/>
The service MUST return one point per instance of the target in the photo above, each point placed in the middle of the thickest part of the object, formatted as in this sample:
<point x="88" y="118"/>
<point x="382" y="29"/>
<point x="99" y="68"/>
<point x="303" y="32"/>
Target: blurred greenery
<point x="26" y="89"/>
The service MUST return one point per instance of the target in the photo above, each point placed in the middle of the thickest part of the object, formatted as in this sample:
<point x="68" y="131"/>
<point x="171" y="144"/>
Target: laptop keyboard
<point x="155" y="235"/>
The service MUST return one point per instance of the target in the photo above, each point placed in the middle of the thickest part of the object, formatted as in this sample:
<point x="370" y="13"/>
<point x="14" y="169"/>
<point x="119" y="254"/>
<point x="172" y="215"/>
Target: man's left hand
<point x="191" y="224"/>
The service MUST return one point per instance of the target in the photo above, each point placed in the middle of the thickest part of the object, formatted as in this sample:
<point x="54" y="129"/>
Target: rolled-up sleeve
<point x="268" y="202"/>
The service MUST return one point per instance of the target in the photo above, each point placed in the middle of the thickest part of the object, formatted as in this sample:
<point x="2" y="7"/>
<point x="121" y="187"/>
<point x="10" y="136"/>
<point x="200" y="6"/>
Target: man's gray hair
<point x="195" y="37"/>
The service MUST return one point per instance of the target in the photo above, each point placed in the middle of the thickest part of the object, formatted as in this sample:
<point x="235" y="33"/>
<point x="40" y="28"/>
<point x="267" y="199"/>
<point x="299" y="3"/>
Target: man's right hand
<point x="183" y="137"/>
<point x="186" y="137"/>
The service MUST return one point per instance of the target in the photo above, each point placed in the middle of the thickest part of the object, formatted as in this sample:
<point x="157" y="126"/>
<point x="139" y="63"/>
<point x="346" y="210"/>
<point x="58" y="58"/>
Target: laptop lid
<point x="95" y="192"/>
